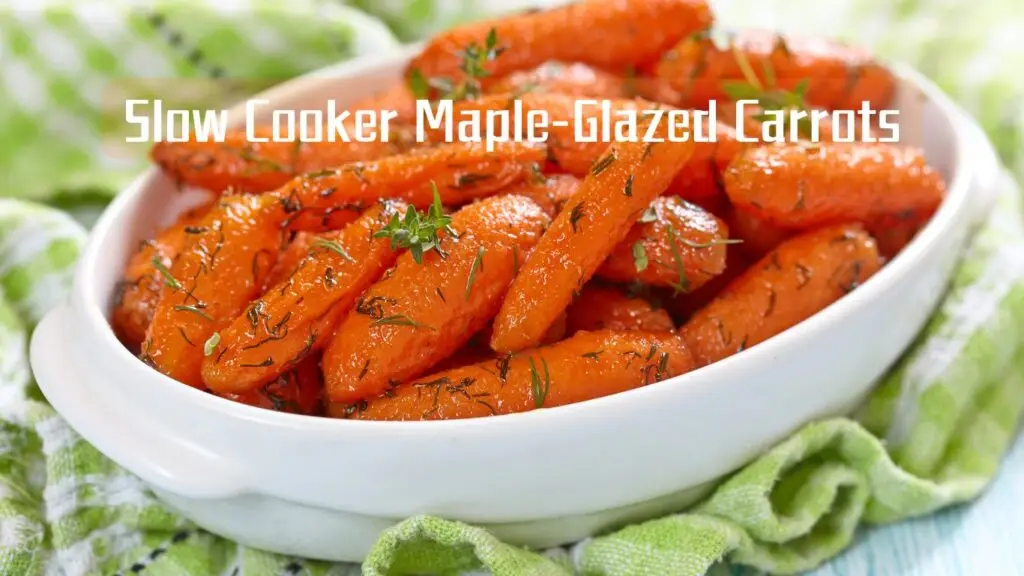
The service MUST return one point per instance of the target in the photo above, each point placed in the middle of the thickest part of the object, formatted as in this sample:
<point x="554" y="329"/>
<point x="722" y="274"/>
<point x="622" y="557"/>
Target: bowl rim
<point x="88" y="299"/>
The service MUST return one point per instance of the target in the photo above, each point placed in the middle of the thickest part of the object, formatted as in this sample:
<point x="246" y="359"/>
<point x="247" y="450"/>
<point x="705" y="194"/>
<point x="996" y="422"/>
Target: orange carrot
<point x="700" y="180"/>
<point x="620" y="187"/>
<point x="420" y="313"/>
<point x="607" y="308"/>
<point x="800" y="187"/>
<point x="681" y="307"/>
<point x="578" y="80"/>
<point x="139" y="290"/>
<point x="893" y="233"/>
<point x="290" y="257"/>
<point x="221" y="269"/>
<point x="397" y="97"/>
<point x="549" y="192"/>
<point x="759" y="238"/>
<point x="799" y="278"/>
<point x="295" y="317"/>
<point x="588" y="365"/>
<point x="297" y="391"/>
<point x="243" y="166"/>
<point x="837" y="76"/>
<point x="619" y="33"/>
<point x="675" y="244"/>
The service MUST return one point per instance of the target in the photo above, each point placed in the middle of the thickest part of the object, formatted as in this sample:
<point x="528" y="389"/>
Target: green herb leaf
<point x="710" y="243"/>
<point x="399" y="320"/>
<point x="683" y="284"/>
<point x="602" y="164"/>
<point x="418" y="84"/>
<point x="211" y="344"/>
<point x="418" y="232"/>
<point x="195" y="310"/>
<point x="169" y="280"/>
<point x="640" y="257"/>
<point x="478" y="264"/>
<point x="539" y="386"/>
<point x="575" y="216"/>
<point x="333" y="247"/>
<point x="628" y="190"/>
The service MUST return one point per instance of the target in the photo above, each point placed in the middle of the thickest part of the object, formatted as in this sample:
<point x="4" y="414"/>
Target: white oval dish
<point x="325" y="488"/>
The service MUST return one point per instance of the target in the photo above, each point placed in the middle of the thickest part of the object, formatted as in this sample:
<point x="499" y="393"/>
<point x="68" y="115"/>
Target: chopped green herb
<point x="418" y="84"/>
<point x="169" y="280"/>
<point x="333" y="247"/>
<point x="575" y="216"/>
<point x="602" y="164"/>
<point x="592" y="355"/>
<point x="418" y="232"/>
<point x="628" y="190"/>
<point x="683" y="284"/>
<point x="478" y="264"/>
<point x="640" y="257"/>
<point x="211" y="344"/>
<point x="399" y="320"/>
<point x="195" y="310"/>
<point x="709" y="243"/>
<point x="540" y="387"/>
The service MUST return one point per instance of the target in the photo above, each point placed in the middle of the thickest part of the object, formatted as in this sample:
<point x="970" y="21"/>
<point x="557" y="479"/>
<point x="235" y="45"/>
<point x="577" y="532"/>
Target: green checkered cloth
<point x="932" y="433"/>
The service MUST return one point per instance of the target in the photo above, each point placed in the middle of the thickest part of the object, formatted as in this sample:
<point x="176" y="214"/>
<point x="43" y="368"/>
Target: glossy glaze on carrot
<point x="297" y="391"/>
<point x="586" y="366"/>
<point x="618" y="189"/>
<point x="573" y="79"/>
<point x="420" y="313"/>
<point x="675" y="244"/>
<point x="608" y="308"/>
<point x="800" y="187"/>
<point x="295" y="317"/>
<point x="796" y="280"/>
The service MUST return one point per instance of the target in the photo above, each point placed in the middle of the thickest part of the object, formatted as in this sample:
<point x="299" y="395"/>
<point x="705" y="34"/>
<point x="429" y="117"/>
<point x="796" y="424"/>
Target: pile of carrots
<point x="414" y="281"/>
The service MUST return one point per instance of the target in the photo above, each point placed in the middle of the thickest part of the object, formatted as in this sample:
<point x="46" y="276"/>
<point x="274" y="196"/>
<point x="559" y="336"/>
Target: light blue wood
<point x="982" y="538"/>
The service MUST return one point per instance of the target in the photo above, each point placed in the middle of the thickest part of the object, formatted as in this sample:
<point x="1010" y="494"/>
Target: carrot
<point x="618" y="189"/>
<point x="797" y="186"/>
<point x="578" y="80"/>
<point x="240" y="165"/>
<point x="607" y="308"/>
<point x="419" y="314"/>
<point x="619" y="33"/>
<point x="588" y="365"/>
<point x="700" y="180"/>
<point x="461" y="172"/>
<point x="295" y="317"/>
<point x="549" y="192"/>
<point x="838" y="77"/>
<point x="297" y="391"/>
<point x="397" y="97"/>
<point x="800" y="277"/>
<point x="894" y="232"/>
<point x="675" y="244"/>
<point x="809" y="129"/>
<point x="139" y="290"/>
<point x="681" y="307"/>
<point x="290" y="257"/>
<point x="223" y="266"/>
<point x="759" y="237"/>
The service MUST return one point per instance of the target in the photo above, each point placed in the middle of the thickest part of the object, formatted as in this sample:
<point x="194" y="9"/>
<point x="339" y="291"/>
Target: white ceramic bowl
<point x="325" y="488"/>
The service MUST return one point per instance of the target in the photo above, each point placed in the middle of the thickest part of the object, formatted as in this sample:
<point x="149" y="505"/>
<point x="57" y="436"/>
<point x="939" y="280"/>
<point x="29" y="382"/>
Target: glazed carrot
<point x="838" y="76"/>
<point x="800" y="187"/>
<point x="578" y="80"/>
<point x="223" y="267"/>
<point x="683" y="306"/>
<point x="894" y="232"/>
<point x="675" y="244"/>
<point x="461" y="173"/>
<point x="549" y="192"/>
<point x="298" y="391"/>
<point x="610" y="34"/>
<point x="700" y="180"/>
<point x="244" y="166"/>
<point x="139" y="290"/>
<point x="759" y="237"/>
<point x="620" y="187"/>
<point x="588" y="365"/>
<point x="397" y="97"/>
<point x="421" y="313"/>
<point x="296" y="316"/>
<point x="799" y="278"/>
<point x="607" y="308"/>
<point x="290" y="257"/>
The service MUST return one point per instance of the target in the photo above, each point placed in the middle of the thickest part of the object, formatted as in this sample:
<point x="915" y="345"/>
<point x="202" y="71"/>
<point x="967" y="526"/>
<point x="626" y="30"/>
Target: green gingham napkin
<point x="932" y="433"/>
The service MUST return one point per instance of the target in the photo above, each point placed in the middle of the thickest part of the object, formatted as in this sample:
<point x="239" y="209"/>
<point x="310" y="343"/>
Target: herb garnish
<point x="399" y="320"/>
<point x="640" y="257"/>
<point x="333" y="247"/>
<point x="211" y="344"/>
<point x="478" y="264"/>
<point x="197" y="310"/>
<point x="710" y="243"/>
<point x="474" y="62"/>
<point x="539" y="387"/>
<point x="602" y="164"/>
<point x="628" y="190"/>
<point x="418" y="232"/>
<point x="169" y="280"/>
<point x="592" y="355"/>
<point x="683" y="284"/>
<point x="575" y="216"/>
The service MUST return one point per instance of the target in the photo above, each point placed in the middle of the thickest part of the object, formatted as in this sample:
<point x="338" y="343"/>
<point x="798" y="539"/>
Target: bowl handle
<point x="110" y="423"/>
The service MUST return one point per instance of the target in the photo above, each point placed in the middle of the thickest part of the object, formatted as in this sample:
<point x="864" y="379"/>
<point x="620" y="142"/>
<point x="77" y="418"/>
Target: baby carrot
<point x="836" y="76"/>
<point x="139" y="290"/>
<point x="607" y="308"/>
<point x="759" y="237"/>
<point x="549" y="192"/>
<point x="298" y="391"/>
<point x="675" y="244"/>
<point x="618" y="33"/>
<point x="683" y="306"/>
<point x="421" y="312"/>
<point x="586" y="366"/>
<point x="894" y="232"/>
<point x="290" y="257"/>
<point x="241" y="165"/>
<point x="296" y="316"/>
<point x="461" y="172"/>
<point x="700" y="180"/>
<point x="800" y="277"/>
<point x="397" y="97"/>
<point x="222" y="268"/>
<point x="618" y="189"/>
<point x="578" y="80"/>
<point x="801" y="186"/>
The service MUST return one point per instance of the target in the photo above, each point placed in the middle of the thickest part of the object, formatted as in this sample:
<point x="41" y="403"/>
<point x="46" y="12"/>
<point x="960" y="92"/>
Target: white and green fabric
<point x="932" y="434"/>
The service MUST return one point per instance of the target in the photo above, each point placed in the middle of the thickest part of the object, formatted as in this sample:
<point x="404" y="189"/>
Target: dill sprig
<point x="169" y="280"/>
<point x="640" y="260"/>
<point x="539" y="386"/>
<point x="333" y="247"/>
<point x="211" y="344"/>
<point x="418" y="232"/>
<point x="473" y="67"/>
<point x="399" y="320"/>
<point x="478" y="265"/>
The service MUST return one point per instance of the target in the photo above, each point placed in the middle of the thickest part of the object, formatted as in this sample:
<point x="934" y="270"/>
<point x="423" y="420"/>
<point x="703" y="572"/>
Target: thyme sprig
<point x="473" y="67"/>
<point x="419" y="232"/>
